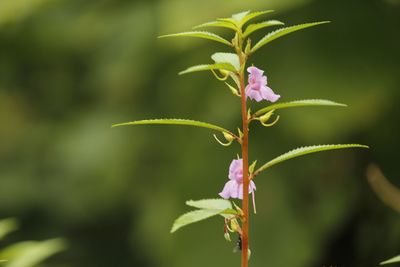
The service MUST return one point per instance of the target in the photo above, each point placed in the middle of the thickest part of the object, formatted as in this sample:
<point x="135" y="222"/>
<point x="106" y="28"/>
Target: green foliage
<point x="216" y="66"/>
<point x="207" y="209"/>
<point x="210" y="204"/>
<point x="221" y="24"/>
<point x="282" y="32"/>
<point x="254" y="15"/>
<point x="28" y="253"/>
<point x="199" y="34"/>
<point x="304" y="151"/>
<point x="299" y="103"/>
<point x="392" y="260"/>
<point x="175" y="122"/>
<point x="31" y="253"/>
<point x="7" y="226"/>
<point x="239" y="19"/>
<point x="258" y="26"/>
<point x="229" y="58"/>
<point x="192" y="217"/>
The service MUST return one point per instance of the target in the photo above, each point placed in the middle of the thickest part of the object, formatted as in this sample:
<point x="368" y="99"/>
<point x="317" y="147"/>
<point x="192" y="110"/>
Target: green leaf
<point x="392" y="260"/>
<point x="240" y="16"/>
<point x="199" y="34"/>
<point x="7" y="226"/>
<point x="257" y="26"/>
<point x="304" y="151"/>
<point x="175" y="122"/>
<point x="282" y="32"/>
<point x="253" y="15"/>
<point x="299" y="103"/>
<point x="229" y="58"/>
<point x="30" y="253"/>
<point x="221" y="24"/>
<point x="192" y="217"/>
<point x="216" y="66"/>
<point x="210" y="204"/>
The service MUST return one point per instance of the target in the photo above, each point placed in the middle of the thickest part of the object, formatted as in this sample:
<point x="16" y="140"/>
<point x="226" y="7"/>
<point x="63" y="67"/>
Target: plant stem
<point x="245" y="157"/>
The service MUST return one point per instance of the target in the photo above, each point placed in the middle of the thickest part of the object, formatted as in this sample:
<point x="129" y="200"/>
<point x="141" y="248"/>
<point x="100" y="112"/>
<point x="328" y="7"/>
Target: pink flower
<point x="234" y="187"/>
<point x="257" y="88"/>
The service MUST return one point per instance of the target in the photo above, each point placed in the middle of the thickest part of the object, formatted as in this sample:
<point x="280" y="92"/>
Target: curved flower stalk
<point x="230" y="68"/>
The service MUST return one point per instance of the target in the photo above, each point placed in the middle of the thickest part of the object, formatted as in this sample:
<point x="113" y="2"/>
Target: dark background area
<point x="70" y="69"/>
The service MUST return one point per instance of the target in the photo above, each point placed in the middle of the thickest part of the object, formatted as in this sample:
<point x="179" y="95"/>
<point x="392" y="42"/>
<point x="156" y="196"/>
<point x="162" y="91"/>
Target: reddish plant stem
<point x="245" y="157"/>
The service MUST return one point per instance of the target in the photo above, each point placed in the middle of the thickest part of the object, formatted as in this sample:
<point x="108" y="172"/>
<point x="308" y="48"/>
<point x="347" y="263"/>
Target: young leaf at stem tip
<point x="199" y="34"/>
<point x="258" y="26"/>
<point x="221" y="24"/>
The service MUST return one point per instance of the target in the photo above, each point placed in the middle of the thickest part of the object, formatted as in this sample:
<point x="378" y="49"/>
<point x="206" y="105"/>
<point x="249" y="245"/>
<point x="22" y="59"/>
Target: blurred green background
<point x="70" y="68"/>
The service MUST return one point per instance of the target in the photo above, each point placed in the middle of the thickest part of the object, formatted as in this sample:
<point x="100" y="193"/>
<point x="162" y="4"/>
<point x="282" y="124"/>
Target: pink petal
<point x="255" y="71"/>
<point x="253" y="94"/>
<point x="252" y="187"/>
<point x="231" y="190"/>
<point x="235" y="167"/>
<point x="268" y="94"/>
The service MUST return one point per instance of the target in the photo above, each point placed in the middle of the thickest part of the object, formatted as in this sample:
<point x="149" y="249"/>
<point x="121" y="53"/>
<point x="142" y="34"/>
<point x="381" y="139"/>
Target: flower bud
<point x="235" y="225"/>
<point x="248" y="46"/>
<point x="252" y="166"/>
<point x="264" y="118"/>
<point x="224" y="72"/>
<point x="227" y="236"/>
<point x="228" y="136"/>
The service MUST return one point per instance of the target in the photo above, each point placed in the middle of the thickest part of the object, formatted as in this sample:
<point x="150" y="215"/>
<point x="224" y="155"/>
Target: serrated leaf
<point x="239" y="16"/>
<point x="216" y="66"/>
<point x="282" y="32"/>
<point x="253" y="15"/>
<point x="30" y="253"/>
<point x="229" y="58"/>
<point x="7" y="226"/>
<point x="175" y="122"/>
<point x="299" y="103"/>
<point x="221" y="24"/>
<point x="392" y="260"/>
<point x="199" y="34"/>
<point x="304" y="151"/>
<point x="210" y="204"/>
<point x="192" y="217"/>
<point x="257" y="26"/>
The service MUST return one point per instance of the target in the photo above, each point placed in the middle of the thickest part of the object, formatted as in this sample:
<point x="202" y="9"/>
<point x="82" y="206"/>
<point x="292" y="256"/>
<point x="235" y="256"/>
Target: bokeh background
<point x="69" y="69"/>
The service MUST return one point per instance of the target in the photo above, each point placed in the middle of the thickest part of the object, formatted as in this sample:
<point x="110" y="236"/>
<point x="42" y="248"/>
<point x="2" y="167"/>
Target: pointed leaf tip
<point x="199" y="34"/>
<point x="210" y="204"/>
<point x="304" y="151"/>
<point x="175" y="122"/>
<point x="192" y="217"/>
<point x="392" y="260"/>
<point x="282" y="32"/>
<point x="204" y="67"/>
<point x="299" y="103"/>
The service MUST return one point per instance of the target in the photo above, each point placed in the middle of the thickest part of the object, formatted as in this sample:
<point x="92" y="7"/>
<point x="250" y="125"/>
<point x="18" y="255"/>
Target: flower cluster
<point x="257" y="90"/>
